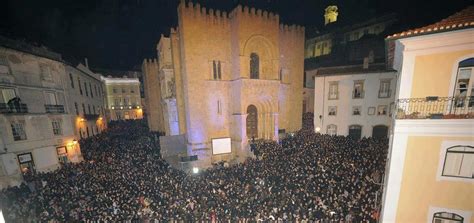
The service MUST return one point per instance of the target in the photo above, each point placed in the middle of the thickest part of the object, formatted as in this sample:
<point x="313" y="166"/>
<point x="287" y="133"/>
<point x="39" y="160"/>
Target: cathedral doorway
<point x="252" y="122"/>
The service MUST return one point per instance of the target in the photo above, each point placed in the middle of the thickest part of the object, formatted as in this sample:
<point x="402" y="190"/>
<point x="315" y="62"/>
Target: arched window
<point x="355" y="131"/>
<point x="331" y="130"/>
<point x="252" y="122"/>
<point x="459" y="162"/>
<point x="464" y="86"/>
<point x="254" y="66"/>
<point x="446" y="217"/>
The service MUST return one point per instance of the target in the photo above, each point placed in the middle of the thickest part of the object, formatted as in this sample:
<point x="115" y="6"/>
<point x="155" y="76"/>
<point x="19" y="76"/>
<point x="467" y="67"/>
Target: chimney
<point x="87" y="62"/>
<point x="366" y="63"/>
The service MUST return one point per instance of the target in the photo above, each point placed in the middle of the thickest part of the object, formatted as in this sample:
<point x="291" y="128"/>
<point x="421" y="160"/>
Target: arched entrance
<point x="380" y="131"/>
<point x="252" y="122"/>
<point x="355" y="131"/>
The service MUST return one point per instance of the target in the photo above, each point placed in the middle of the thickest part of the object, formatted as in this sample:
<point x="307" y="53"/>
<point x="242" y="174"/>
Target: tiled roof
<point x="460" y="20"/>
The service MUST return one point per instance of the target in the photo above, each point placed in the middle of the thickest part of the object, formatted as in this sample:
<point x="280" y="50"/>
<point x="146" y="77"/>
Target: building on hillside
<point x="86" y="100"/>
<point x="36" y="130"/>
<point x="123" y="99"/>
<point x="354" y="100"/>
<point x="338" y="45"/>
<point x="430" y="168"/>
<point x="235" y="75"/>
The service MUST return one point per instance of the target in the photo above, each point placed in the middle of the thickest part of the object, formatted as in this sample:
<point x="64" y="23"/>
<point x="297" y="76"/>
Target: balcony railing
<point x="13" y="108"/>
<point x="91" y="117"/>
<point x="435" y="108"/>
<point x="54" y="108"/>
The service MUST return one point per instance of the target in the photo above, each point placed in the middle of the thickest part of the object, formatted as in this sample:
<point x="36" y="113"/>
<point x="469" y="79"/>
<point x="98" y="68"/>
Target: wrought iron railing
<point x="13" y="108"/>
<point x="435" y="108"/>
<point x="54" y="108"/>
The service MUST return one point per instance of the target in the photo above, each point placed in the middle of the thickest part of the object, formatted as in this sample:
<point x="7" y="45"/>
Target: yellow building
<point x="233" y="75"/>
<point x="430" y="168"/>
<point x="123" y="100"/>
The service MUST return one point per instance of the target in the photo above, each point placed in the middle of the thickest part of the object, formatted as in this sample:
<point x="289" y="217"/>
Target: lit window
<point x="57" y="127"/>
<point x="459" y="162"/>
<point x="358" y="89"/>
<point x="382" y="110"/>
<point x="332" y="110"/>
<point x="464" y="89"/>
<point x="445" y="217"/>
<point x="356" y="110"/>
<point x="18" y="130"/>
<point x="384" y="91"/>
<point x="333" y="90"/>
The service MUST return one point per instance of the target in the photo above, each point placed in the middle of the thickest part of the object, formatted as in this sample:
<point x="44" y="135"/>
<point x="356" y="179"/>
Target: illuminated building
<point x="123" y="99"/>
<point x="36" y="132"/>
<point x="85" y="96"/>
<point x="430" y="169"/>
<point x="232" y="75"/>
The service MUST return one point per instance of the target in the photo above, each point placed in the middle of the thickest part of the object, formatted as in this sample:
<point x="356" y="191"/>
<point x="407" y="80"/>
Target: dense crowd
<point x="306" y="178"/>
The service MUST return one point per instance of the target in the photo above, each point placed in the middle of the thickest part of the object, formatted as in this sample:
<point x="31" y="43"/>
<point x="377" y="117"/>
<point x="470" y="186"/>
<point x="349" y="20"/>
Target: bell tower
<point x="330" y="14"/>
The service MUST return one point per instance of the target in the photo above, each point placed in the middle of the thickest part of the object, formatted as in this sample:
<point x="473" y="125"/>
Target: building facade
<point x="36" y="130"/>
<point x="430" y="168"/>
<point x="234" y="75"/>
<point x="353" y="100"/>
<point x="85" y="100"/>
<point x="123" y="99"/>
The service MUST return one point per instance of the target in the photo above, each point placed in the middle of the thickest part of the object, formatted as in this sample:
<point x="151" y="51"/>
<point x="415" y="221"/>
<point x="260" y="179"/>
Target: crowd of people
<point x="307" y="177"/>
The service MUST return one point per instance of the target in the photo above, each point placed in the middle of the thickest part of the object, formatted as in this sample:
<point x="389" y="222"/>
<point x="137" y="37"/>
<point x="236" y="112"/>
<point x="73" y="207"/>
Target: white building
<point x="353" y="100"/>
<point x="36" y="132"/>
<point x="123" y="100"/>
<point x="86" y="100"/>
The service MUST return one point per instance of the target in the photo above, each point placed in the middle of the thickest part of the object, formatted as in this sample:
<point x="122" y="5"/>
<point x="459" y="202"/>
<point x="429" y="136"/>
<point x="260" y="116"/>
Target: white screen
<point x="220" y="146"/>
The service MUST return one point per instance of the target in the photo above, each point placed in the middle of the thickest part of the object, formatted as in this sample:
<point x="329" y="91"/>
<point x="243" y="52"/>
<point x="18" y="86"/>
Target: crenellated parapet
<point x="150" y="65"/>
<point x="296" y="30"/>
<point x="244" y="12"/>
<point x="200" y="13"/>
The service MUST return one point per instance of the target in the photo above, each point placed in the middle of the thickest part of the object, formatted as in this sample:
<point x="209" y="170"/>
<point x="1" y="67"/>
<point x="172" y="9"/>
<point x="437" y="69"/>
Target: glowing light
<point x="113" y="107"/>
<point x="74" y="142"/>
<point x="129" y="107"/>
<point x="121" y="107"/>
<point x="82" y="119"/>
<point x="318" y="129"/>
<point x="138" y="106"/>
<point x="195" y="170"/>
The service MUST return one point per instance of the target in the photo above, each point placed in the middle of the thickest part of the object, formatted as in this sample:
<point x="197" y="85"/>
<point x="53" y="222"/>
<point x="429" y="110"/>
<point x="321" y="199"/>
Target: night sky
<point x="118" y="34"/>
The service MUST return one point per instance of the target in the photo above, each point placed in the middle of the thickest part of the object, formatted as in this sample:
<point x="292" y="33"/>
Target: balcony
<point x="54" y="108"/>
<point x="91" y="117"/>
<point x="13" y="108"/>
<point x="435" y="108"/>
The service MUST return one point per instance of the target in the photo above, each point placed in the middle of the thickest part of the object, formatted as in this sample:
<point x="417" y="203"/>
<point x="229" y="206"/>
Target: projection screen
<point x="221" y="146"/>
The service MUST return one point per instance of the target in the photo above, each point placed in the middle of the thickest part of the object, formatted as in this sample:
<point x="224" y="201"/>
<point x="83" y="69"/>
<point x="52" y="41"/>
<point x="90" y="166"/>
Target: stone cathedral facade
<point x="237" y="74"/>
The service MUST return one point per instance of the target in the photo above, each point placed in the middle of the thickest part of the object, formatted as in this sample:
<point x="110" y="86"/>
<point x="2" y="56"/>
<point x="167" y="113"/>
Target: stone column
<point x="275" y="126"/>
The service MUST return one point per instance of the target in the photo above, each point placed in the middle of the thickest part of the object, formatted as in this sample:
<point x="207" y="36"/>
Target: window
<point x="114" y="90"/>
<point x="93" y="109"/>
<point x="90" y="88"/>
<point x="214" y="70"/>
<point x="132" y="90"/>
<point x="79" y="84"/>
<point x="124" y="91"/>
<point x="125" y="101"/>
<point x="280" y="74"/>
<point x="331" y="130"/>
<point x="446" y="217"/>
<point x="459" y="162"/>
<point x="219" y="71"/>
<point x="76" y="107"/>
<point x="85" y="89"/>
<point x="89" y="108"/>
<point x="356" y="110"/>
<point x="83" y="109"/>
<point x="117" y="101"/>
<point x="358" y="89"/>
<point x="333" y="90"/>
<point x="71" y="79"/>
<point x="95" y="88"/>
<point x="464" y="88"/>
<point x="57" y="127"/>
<point x="18" y="130"/>
<point x="382" y="110"/>
<point x="4" y="67"/>
<point x="332" y="110"/>
<point x="45" y="72"/>
<point x="7" y="95"/>
<point x="384" y="90"/>
<point x="50" y="98"/>
<point x="219" y="107"/>
<point x="254" y="66"/>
